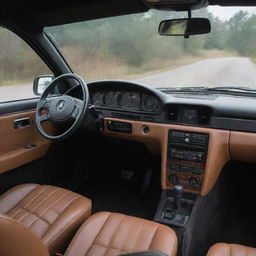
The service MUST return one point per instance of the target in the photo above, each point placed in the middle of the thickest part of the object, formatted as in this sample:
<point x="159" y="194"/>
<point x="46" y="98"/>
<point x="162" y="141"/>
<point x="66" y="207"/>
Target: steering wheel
<point x="62" y="109"/>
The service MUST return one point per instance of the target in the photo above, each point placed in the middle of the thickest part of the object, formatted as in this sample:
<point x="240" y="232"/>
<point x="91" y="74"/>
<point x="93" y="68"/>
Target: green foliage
<point x="126" y="45"/>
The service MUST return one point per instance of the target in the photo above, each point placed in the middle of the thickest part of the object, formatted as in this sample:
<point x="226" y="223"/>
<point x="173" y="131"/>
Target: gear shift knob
<point x="178" y="192"/>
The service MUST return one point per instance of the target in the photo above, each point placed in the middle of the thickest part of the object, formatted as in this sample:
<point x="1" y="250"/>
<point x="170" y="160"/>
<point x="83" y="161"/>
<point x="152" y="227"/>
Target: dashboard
<point x="126" y="100"/>
<point x="195" y="134"/>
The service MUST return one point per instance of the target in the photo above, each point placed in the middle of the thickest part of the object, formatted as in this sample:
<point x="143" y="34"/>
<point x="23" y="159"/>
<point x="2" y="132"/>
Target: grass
<point x="104" y="68"/>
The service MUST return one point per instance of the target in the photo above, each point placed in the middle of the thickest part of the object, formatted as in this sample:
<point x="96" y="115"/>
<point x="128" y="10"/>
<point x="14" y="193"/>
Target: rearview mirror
<point x="40" y="84"/>
<point x="184" y="27"/>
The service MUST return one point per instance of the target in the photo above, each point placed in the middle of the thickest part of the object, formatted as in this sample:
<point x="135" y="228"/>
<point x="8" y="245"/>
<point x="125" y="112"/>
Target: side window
<point x="19" y="66"/>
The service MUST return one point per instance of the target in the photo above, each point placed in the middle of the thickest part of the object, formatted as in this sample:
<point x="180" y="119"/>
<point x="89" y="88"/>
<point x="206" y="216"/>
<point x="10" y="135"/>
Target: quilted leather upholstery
<point x="222" y="249"/>
<point x="53" y="214"/>
<point x="112" y="234"/>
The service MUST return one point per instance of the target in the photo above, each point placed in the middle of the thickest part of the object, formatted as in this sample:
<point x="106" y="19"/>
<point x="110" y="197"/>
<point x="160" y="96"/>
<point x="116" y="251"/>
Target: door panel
<point x="14" y="150"/>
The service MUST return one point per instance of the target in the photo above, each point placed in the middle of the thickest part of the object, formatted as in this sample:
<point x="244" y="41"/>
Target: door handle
<point x="22" y="123"/>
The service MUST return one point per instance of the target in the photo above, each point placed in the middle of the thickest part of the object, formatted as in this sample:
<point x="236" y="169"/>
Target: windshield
<point x="130" y="48"/>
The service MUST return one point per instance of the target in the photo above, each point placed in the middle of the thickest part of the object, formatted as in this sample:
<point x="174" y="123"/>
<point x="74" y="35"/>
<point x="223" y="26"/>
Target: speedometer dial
<point x="130" y="100"/>
<point x="111" y="99"/>
<point x="97" y="99"/>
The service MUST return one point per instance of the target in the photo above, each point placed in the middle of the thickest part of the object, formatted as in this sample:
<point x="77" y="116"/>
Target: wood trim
<point x="156" y="141"/>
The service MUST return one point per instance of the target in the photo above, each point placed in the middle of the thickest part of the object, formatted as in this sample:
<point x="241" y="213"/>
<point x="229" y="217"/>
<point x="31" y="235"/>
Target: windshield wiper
<point x="183" y="89"/>
<point x="232" y="89"/>
<point x="223" y="89"/>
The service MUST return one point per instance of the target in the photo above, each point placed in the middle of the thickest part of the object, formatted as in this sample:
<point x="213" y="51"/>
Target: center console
<point x="186" y="159"/>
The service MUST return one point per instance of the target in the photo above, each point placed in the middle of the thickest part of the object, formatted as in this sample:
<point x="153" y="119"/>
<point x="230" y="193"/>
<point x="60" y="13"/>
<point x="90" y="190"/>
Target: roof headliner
<point x="53" y="12"/>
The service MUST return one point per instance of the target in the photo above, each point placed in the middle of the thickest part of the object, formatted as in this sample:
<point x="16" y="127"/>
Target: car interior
<point x="114" y="167"/>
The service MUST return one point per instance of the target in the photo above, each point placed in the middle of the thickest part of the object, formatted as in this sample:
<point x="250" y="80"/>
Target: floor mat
<point x="122" y="197"/>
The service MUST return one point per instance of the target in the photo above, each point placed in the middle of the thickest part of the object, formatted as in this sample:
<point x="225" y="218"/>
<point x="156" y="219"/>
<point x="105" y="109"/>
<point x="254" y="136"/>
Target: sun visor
<point x="177" y="5"/>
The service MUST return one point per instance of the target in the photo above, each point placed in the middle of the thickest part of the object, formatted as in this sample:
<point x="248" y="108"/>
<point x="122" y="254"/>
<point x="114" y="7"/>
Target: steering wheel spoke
<point x="44" y="117"/>
<point x="44" y="104"/>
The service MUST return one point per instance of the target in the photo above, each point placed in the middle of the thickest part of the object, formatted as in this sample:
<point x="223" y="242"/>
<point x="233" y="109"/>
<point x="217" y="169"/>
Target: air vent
<point x="204" y="116"/>
<point x="126" y="116"/>
<point x="172" y="113"/>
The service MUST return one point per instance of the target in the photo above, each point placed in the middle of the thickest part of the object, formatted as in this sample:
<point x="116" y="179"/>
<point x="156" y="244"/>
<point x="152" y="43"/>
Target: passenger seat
<point x="223" y="249"/>
<point x="53" y="214"/>
<point x="104" y="233"/>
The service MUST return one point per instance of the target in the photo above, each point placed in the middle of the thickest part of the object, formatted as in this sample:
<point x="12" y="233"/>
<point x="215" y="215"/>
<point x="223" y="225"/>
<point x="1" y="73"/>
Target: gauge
<point x="97" y="99"/>
<point x="150" y="103"/>
<point x="130" y="100"/>
<point x="111" y="99"/>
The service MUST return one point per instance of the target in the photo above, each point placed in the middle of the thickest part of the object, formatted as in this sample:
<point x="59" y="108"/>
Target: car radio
<point x="187" y="155"/>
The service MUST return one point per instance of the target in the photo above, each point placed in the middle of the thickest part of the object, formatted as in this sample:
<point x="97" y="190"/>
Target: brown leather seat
<point x="222" y="249"/>
<point x="112" y="234"/>
<point x="53" y="214"/>
<point x="18" y="240"/>
<point x="104" y="233"/>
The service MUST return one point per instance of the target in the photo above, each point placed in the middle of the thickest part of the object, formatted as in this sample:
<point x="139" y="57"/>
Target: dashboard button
<point x="173" y="179"/>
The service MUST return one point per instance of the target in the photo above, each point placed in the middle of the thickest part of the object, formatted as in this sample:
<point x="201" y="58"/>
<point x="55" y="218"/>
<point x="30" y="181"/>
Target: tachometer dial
<point x="97" y="99"/>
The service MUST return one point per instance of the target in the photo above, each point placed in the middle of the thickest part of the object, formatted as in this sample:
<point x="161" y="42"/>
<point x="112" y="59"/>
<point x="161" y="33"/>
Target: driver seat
<point x="53" y="214"/>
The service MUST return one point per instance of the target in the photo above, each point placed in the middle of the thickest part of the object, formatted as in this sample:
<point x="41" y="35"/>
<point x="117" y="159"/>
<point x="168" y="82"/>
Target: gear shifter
<point x="177" y="194"/>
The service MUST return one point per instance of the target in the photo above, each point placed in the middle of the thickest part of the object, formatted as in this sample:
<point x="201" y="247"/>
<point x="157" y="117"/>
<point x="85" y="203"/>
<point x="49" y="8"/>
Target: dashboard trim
<point x="156" y="141"/>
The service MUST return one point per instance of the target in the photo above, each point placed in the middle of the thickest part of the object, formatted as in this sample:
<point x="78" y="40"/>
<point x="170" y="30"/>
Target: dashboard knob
<point x="173" y="178"/>
<point x="145" y="129"/>
<point x="193" y="182"/>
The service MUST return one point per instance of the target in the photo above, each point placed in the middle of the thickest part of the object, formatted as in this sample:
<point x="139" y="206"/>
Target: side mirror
<point x="40" y="84"/>
<point x="184" y="27"/>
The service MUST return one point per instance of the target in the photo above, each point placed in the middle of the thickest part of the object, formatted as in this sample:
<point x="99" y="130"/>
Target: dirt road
<point x="230" y="71"/>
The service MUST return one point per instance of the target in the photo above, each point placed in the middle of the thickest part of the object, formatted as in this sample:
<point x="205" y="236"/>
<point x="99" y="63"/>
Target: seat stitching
<point x="138" y="234"/>
<point x="34" y="209"/>
<point x="13" y="216"/>
<point x="12" y="189"/>
<point x="36" y="196"/>
<point x="32" y="223"/>
<point x="28" y="204"/>
<point x="76" y="235"/>
<point x="110" y="247"/>
<point x="99" y="232"/>
<point x="32" y="213"/>
<point x="65" y="209"/>
<point x="54" y="203"/>
<point x="153" y="237"/>
<point x="111" y="239"/>
<point x="37" y="206"/>
<point x="68" y="224"/>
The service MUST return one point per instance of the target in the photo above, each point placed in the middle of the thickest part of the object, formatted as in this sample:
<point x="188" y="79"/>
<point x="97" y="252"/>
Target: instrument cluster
<point x="125" y="100"/>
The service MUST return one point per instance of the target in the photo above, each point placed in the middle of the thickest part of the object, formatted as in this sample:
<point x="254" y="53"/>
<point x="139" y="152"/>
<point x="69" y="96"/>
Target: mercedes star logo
<point x="60" y="105"/>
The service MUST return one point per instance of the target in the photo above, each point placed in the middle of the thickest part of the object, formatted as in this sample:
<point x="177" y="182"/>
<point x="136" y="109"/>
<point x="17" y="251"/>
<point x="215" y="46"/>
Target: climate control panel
<point x="186" y="159"/>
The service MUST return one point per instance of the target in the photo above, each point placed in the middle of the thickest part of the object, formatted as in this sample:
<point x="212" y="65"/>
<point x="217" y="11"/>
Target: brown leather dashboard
<point x="223" y="145"/>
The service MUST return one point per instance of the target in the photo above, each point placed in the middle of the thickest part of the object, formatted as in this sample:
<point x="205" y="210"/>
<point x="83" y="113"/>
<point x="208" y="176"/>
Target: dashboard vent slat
<point x="126" y="116"/>
<point x="204" y="116"/>
<point x="173" y="113"/>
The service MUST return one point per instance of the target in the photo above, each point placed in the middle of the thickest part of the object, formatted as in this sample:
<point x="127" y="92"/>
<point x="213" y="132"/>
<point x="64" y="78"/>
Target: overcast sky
<point x="225" y="13"/>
